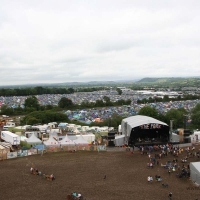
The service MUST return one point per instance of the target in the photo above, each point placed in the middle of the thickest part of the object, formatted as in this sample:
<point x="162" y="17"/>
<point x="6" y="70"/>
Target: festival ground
<point x="126" y="177"/>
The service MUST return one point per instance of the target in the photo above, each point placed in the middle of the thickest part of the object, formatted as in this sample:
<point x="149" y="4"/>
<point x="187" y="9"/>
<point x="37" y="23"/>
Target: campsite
<point x="84" y="171"/>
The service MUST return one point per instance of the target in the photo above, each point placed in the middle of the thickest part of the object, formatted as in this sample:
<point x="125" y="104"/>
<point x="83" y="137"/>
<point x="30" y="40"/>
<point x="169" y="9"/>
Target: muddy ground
<point x="84" y="171"/>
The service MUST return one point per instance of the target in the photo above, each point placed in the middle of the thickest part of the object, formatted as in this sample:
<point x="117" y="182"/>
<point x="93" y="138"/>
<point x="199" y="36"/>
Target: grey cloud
<point x="58" y="41"/>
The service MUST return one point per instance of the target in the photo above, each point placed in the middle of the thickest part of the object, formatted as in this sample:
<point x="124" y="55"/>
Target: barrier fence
<point x="5" y="154"/>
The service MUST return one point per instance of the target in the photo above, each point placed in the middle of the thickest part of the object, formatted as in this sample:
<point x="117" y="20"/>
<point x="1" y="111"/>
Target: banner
<point x="101" y="148"/>
<point x="22" y="153"/>
<point x="11" y="155"/>
<point x="32" y="152"/>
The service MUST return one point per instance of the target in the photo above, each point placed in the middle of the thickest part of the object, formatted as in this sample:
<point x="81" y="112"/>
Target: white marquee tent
<point x="51" y="142"/>
<point x="33" y="140"/>
<point x="80" y="141"/>
<point x="66" y="141"/>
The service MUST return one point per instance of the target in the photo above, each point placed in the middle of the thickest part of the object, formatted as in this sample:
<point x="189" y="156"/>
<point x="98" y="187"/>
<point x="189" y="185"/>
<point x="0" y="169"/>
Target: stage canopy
<point x="147" y="129"/>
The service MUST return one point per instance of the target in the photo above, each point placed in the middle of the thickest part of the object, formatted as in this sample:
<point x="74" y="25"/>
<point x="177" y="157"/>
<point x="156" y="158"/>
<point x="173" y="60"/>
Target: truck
<point x="10" y="137"/>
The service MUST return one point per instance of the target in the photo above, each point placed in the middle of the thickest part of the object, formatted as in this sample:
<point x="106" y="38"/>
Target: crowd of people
<point x="35" y="171"/>
<point x="75" y="196"/>
<point x="177" y="163"/>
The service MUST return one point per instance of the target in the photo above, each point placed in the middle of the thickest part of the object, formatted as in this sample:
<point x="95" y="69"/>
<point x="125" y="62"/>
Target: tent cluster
<point x="54" y="140"/>
<point x="66" y="141"/>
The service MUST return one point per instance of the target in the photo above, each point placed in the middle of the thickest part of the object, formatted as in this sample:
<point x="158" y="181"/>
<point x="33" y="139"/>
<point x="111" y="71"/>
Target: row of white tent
<point x="66" y="141"/>
<point x="53" y="141"/>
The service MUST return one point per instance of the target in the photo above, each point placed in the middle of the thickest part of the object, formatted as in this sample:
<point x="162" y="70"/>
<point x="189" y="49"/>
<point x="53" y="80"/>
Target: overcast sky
<point x="54" y="41"/>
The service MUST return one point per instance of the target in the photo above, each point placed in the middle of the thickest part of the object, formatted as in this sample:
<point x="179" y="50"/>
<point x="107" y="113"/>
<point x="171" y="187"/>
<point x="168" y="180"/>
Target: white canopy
<point x="54" y="134"/>
<point x="51" y="142"/>
<point x="67" y="142"/>
<point x="80" y="141"/>
<point x="33" y="140"/>
<point x="195" y="172"/>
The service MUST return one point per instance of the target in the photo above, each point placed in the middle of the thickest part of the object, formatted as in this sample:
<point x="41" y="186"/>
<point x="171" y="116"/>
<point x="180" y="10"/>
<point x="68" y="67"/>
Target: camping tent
<point x="195" y="172"/>
<point x="33" y="140"/>
<point x="80" y="141"/>
<point x="66" y="141"/>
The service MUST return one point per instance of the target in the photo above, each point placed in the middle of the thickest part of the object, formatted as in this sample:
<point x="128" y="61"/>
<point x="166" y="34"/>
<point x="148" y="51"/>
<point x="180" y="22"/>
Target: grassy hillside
<point x="171" y="82"/>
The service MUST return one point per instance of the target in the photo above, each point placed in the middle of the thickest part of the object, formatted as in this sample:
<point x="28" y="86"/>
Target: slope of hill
<point x="171" y="81"/>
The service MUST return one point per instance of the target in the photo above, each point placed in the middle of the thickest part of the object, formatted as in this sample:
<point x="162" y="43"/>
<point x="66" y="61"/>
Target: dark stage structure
<point x="143" y="130"/>
<point x="148" y="134"/>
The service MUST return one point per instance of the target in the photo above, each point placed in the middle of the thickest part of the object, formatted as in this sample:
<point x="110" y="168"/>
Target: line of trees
<point x="39" y="90"/>
<point x="35" y="91"/>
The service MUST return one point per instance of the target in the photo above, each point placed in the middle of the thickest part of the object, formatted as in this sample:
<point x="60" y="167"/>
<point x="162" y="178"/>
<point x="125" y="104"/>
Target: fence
<point x="5" y="154"/>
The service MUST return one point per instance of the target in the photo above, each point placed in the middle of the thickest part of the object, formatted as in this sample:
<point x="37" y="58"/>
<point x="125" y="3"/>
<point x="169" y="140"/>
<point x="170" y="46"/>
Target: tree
<point x="33" y="120"/>
<point x="148" y="111"/>
<point x="119" y="91"/>
<point x="71" y="90"/>
<point x="32" y="102"/>
<point x="177" y="117"/>
<point x="44" y="117"/>
<point x="65" y="103"/>
<point x="5" y="110"/>
<point x="196" y="109"/>
<point x="195" y="116"/>
<point x="166" y="98"/>
<point x="107" y="100"/>
<point x="99" y="103"/>
<point x="196" y="119"/>
<point x="49" y="107"/>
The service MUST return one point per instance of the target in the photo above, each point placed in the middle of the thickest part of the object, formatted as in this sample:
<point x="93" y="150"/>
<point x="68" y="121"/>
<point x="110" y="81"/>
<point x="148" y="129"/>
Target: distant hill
<point x="161" y="80"/>
<point x="171" y="81"/>
<point x="166" y="79"/>
<point x="72" y="84"/>
<point x="155" y="82"/>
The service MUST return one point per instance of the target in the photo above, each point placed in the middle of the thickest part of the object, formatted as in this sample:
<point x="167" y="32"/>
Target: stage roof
<point x="137" y="120"/>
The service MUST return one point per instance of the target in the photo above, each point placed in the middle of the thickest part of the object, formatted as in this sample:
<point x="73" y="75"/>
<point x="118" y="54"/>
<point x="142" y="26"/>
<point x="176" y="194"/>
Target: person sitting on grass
<point x="148" y="179"/>
<point x="52" y="177"/>
<point x="74" y="194"/>
<point x="158" y="178"/>
<point x="79" y="195"/>
<point x="39" y="173"/>
<point x="170" y="195"/>
<point x="31" y="170"/>
<point x="36" y="171"/>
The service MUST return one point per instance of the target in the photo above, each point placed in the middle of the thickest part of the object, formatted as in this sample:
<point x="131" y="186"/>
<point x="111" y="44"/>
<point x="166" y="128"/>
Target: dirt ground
<point x="84" y="171"/>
